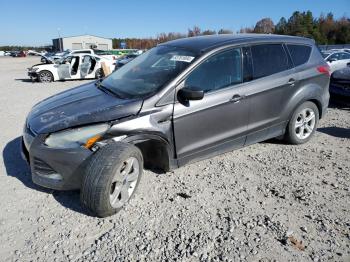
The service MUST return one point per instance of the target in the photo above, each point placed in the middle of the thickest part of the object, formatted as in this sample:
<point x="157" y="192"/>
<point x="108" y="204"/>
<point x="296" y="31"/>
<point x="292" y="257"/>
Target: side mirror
<point x="332" y="60"/>
<point x="189" y="94"/>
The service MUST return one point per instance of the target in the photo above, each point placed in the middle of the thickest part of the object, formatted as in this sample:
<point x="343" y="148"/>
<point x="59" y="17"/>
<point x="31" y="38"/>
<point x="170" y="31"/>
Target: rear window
<point x="300" y="53"/>
<point x="269" y="59"/>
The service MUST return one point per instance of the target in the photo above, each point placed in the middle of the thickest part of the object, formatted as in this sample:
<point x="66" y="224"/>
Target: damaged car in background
<point x="75" y="66"/>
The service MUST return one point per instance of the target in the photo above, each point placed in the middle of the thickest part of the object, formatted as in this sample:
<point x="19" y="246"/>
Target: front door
<point x="63" y="69"/>
<point x="218" y="122"/>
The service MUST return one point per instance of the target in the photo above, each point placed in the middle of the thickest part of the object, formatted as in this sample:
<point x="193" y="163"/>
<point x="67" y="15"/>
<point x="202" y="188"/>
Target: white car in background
<point x="55" y="56"/>
<point x="75" y="66"/>
<point x="337" y="60"/>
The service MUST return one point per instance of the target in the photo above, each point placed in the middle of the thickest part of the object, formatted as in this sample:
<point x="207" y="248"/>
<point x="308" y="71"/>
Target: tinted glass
<point x="344" y="56"/>
<point x="217" y="72"/>
<point x="247" y="64"/>
<point x="300" y="53"/>
<point x="268" y="59"/>
<point x="81" y="52"/>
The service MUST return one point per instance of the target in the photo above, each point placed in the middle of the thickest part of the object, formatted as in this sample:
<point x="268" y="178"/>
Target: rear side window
<point x="300" y="53"/>
<point x="269" y="59"/>
<point x="344" y="56"/>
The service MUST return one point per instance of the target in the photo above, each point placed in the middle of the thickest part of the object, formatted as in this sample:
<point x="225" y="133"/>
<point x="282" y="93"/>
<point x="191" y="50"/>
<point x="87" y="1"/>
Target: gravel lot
<point x="266" y="202"/>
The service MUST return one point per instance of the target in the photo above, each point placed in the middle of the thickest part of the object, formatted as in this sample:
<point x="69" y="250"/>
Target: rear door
<point x="218" y="122"/>
<point x="272" y="76"/>
<point x="85" y="65"/>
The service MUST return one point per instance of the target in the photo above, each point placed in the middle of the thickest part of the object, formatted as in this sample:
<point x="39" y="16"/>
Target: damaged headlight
<point x="82" y="136"/>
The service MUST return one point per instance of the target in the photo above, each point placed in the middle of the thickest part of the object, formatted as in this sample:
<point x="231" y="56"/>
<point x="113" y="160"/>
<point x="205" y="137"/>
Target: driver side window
<point x="217" y="72"/>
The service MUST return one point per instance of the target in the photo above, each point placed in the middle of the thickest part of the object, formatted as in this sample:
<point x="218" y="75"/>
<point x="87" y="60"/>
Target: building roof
<point x="84" y="36"/>
<point x="209" y="42"/>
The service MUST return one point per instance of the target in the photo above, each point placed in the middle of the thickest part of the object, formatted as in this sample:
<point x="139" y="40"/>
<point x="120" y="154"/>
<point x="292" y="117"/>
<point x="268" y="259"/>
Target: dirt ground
<point x="266" y="202"/>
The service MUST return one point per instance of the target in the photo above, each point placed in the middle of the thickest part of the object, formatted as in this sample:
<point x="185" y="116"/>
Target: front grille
<point x="41" y="168"/>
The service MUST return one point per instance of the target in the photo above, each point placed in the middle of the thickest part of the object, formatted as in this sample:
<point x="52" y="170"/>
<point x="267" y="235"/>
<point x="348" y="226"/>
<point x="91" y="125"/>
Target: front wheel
<point x="45" y="76"/>
<point x="303" y="123"/>
<point x="111" y="178"/>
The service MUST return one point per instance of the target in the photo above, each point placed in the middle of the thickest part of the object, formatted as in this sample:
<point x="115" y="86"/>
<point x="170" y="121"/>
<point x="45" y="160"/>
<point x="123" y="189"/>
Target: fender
<point x="309" y="92"/>
<point x="151" y="131"/>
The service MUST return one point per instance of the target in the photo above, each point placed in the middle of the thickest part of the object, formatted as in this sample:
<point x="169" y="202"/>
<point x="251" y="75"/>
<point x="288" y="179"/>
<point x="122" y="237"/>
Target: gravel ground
<point x="266" y="202"/>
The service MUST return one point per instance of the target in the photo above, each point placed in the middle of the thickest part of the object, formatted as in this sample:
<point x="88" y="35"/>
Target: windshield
<point x="149" y="72"/>
<point x="325" y="54"/>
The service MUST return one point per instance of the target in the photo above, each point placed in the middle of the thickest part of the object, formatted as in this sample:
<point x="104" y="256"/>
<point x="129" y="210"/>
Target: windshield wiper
<point x="105" y="89"/>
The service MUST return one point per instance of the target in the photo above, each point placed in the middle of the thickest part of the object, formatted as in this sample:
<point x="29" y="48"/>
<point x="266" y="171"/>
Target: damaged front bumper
<point x="60" y="169"/>
<point x="33" y="75"/>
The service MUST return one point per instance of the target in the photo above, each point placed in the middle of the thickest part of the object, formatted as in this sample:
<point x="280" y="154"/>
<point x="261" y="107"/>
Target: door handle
<point x="291" y="82"/>
<point x="236" y="98"/>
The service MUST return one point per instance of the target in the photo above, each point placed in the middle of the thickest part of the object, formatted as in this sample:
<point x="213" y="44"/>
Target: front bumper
<point x="33" y="75"/>
<point x="60" y="169"/>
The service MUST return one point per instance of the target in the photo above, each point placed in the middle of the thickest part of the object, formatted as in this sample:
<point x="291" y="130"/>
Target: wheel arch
<point x="312" y="93"/>
<point x="156" y="151"/>
<point x="54" y="76"/>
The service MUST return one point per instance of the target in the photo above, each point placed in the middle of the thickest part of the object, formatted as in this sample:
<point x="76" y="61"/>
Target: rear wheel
<point x="45" y="76"/>
<point x="111" y="178"/>
<point x="303" y="123"/>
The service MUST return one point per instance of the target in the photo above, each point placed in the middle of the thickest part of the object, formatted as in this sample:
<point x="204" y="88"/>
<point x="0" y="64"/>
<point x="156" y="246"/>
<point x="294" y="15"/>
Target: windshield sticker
<point x="182" y="58"/>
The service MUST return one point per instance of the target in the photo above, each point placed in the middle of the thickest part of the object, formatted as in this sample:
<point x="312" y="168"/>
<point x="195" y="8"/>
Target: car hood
<point x="82" y="105"/>
<point x="47" y="58"/>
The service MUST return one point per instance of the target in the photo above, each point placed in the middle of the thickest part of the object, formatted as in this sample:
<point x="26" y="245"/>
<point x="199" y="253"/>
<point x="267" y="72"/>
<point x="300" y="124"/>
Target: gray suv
<point x="180" y="102"/>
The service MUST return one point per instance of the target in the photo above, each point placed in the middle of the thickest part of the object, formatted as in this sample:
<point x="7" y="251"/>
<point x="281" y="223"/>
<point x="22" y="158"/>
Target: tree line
<point x="325" y="29"/>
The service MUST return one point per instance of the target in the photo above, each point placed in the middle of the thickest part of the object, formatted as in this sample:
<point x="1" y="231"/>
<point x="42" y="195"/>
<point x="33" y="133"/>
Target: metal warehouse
<point x="82" y="42"/>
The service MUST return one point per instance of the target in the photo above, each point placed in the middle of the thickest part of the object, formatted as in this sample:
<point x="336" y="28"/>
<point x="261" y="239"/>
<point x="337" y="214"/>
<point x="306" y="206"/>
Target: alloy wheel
<point x="305" y="123"/>
<point x="45" y="77"/>
<point x="124" y="182"/>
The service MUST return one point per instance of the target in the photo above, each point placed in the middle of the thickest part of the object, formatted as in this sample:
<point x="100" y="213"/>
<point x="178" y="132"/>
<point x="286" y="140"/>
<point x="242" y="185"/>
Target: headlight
<point x="34" y="69"/>
<point x="82" y="136"/>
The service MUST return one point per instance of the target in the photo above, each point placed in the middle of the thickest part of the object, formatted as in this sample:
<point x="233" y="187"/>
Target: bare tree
<point x="245" y="30"/>
<point x="264" y="26"/>
<point x="224" y="31"/>
<point x="196" y="31"/>
<point x="209" y="32"/>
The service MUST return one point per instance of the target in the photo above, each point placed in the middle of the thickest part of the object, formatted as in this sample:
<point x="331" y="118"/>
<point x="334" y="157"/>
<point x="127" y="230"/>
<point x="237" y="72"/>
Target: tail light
<point x="324" y="69"/>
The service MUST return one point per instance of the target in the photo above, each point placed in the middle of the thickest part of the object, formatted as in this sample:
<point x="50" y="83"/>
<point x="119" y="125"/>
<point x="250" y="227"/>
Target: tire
<point x="45" y="76"/>
<point x="302" y="124"/>
<point x="107" y="177"/>
<point x="99" y="73"/>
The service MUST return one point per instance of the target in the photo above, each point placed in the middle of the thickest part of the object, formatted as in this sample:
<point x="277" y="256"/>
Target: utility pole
<point x="59" y="39"/>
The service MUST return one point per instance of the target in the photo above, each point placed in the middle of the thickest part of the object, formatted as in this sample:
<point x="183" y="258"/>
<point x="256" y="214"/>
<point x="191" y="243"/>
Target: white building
<point x="82" y="42"/>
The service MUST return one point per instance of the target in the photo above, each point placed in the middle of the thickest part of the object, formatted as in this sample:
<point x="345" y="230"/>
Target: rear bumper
<point x="59" y="169"/>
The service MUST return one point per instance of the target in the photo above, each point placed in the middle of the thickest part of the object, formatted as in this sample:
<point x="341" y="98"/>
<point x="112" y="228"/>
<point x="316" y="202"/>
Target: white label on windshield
<point x="182" y="58"/>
